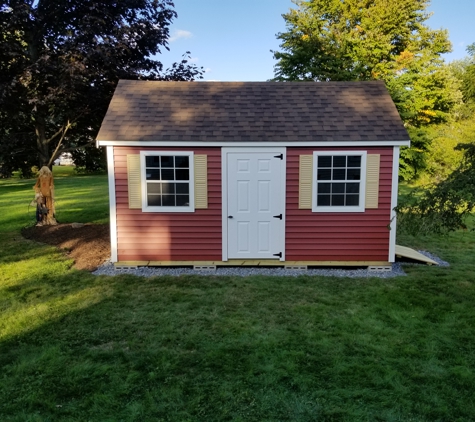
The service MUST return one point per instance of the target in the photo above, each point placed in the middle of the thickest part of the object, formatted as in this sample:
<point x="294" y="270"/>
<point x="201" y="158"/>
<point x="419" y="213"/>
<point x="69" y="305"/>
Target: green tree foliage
<point x="60" y="61"/>
<point x="345" y="40"/>
<point x="447" y="205"/>
<point x="356" y="39"/>
<point x="450" y="160"/>
<point x="442" y="157"/>
<point x="413" y="160"/>
<point x="468" y="87"/>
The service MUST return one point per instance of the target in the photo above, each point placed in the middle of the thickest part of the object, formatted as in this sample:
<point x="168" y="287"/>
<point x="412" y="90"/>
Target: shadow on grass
<point x="15" y="248"/>
<point x="257" y="348"/>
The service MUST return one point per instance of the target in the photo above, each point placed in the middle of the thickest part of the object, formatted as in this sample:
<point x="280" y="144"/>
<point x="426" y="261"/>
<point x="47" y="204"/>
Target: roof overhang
<point x="196" y="144"/>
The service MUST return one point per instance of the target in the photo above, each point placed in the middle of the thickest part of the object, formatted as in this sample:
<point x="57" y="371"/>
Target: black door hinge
<point x="278" y="216"/>
<point x="281" y="156"/>
<point x="278" y="254"/>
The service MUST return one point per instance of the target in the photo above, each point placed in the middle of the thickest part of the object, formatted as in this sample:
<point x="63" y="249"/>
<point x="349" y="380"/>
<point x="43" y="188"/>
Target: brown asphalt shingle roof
<point x="252" y="111"/>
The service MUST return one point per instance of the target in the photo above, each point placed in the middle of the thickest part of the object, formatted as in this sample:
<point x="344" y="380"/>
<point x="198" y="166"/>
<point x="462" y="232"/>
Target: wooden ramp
<point x="405" y="252"/>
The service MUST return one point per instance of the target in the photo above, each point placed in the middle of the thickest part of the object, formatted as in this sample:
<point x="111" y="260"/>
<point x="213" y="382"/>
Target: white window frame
<point x="191" y="181"/>
<point x="362" y="195"/>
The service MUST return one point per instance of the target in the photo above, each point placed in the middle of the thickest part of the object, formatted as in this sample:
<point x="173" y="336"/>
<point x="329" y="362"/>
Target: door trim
<point x="224" y="190"/>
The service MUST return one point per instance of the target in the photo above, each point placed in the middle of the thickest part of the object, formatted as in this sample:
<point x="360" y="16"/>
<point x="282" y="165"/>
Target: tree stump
<point x="44" y="198"/>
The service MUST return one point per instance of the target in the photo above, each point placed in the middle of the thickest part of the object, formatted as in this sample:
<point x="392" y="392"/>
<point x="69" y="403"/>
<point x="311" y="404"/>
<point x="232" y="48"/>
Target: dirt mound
<point x="88" y="244"/>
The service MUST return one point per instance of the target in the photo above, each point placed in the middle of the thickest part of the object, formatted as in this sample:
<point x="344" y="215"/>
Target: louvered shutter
<point x="201" y="181"/>
<point x="305" y="181"/>
<point x="372" y="180"/>
<point x="133" y="181"/>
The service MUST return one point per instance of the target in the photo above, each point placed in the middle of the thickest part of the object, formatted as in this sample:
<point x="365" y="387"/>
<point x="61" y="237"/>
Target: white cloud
<point x="193" y="60"/>
<point x="207" y="70"/>
<point x="180" y="34"/>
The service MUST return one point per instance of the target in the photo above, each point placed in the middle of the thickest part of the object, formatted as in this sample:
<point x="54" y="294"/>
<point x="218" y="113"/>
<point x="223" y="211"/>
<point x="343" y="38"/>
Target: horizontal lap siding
<point x="338" y="236"/>
<point x="187" y="236"/>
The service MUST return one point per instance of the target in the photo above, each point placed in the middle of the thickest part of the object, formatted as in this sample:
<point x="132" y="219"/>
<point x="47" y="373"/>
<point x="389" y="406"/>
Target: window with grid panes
<point x="168" y="181"/>
<point x="339" y="181"/>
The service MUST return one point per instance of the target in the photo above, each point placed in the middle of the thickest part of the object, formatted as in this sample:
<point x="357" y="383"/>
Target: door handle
<point x="230" y="216"/>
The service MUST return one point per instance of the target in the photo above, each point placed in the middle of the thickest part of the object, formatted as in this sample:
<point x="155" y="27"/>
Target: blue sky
<point x="232" y="39"/>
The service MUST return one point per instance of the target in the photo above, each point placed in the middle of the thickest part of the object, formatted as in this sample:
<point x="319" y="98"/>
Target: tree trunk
<point x="41" y="141"/>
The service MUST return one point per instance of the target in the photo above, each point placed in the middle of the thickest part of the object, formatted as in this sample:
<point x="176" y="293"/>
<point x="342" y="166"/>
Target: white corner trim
<point x="394" y="194"/>
<point x="281" y="144"/>
<point x="112" y="203"/>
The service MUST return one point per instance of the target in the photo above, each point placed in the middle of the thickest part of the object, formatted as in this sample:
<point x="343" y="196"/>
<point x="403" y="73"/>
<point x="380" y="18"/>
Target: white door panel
<point x="255" y="195"/>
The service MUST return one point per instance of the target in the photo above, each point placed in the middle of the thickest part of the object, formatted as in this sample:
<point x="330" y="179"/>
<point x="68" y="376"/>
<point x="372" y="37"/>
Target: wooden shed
<point x="253" y="173"/>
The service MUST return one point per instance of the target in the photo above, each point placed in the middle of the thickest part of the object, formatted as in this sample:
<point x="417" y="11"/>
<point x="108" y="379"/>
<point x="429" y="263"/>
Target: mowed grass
<point x="75" y="347"/>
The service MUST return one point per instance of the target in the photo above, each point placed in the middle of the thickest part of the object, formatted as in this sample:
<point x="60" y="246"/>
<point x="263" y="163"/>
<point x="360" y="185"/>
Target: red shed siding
<point x="169" y="236"/>
<point x="198" y="236"/>
<point x="338" y="236"/>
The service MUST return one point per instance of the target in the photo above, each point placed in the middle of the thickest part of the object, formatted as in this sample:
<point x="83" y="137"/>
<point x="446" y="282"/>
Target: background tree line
<point x="357" y="40"/>
<point x="60" y="61"/>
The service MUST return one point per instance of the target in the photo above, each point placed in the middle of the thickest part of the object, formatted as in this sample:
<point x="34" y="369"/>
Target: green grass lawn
<point x="75" y="347"/>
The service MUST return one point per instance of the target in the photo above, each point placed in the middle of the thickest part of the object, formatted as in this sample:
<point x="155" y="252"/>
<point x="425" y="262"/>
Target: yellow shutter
<point x="201" y="181"/>
<point x="372" y="180"/>
<point x="133" y="179"/>
<point x="305" y="181"/>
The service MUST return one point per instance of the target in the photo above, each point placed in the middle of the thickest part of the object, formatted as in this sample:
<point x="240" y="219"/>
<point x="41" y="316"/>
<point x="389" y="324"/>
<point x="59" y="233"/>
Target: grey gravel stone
<point x="109" y="269"/>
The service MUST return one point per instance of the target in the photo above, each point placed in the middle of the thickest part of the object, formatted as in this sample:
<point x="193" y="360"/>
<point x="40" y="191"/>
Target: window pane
<point x="338" y="200"/>
<point x="182" y="200"/>
<point x="339" y="161"/>
<point x="168" y="200"/>
<point x="152" y="161"/>
<point x="324" y="161"/>
<point x="338" y="188"/>
<point x="182" y="188"/>
<point x="339" y="174"/>
<point x="154" y="188"/>
<point x="183" y="174"/>
<point x="154" y="200"/>
<point x="324" y="174"/>
<point x="162" y="173"/>
<point x="324" y="187"/>
<point x="353" y="174"/>
<point x="332" y="174"/>
<point x="167" y="174"/>
<point x="168" y="188"/>
<point x="354" y="161"/>
<point x="352" y="188"/>
<point x="152" y="174"/>
<point x="167" y="160"/>
<point x="352" y="200"/>
<point x="182" y="162"/>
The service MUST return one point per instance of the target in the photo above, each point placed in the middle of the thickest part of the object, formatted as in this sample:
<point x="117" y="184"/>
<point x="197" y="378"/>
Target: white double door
<point x="254" y="203"/>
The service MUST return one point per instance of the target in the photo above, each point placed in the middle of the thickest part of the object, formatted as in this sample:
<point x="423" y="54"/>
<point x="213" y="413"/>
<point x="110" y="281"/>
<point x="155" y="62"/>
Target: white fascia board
<point x="191" y="144"/>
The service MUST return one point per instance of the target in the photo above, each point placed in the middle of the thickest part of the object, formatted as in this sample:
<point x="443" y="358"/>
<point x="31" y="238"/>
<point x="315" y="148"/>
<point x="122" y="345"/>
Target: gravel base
<point x="109" y="269"/>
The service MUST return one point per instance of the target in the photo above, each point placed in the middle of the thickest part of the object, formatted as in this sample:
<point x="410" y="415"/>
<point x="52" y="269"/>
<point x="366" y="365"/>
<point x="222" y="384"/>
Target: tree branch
<point x="64" y="130"/>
